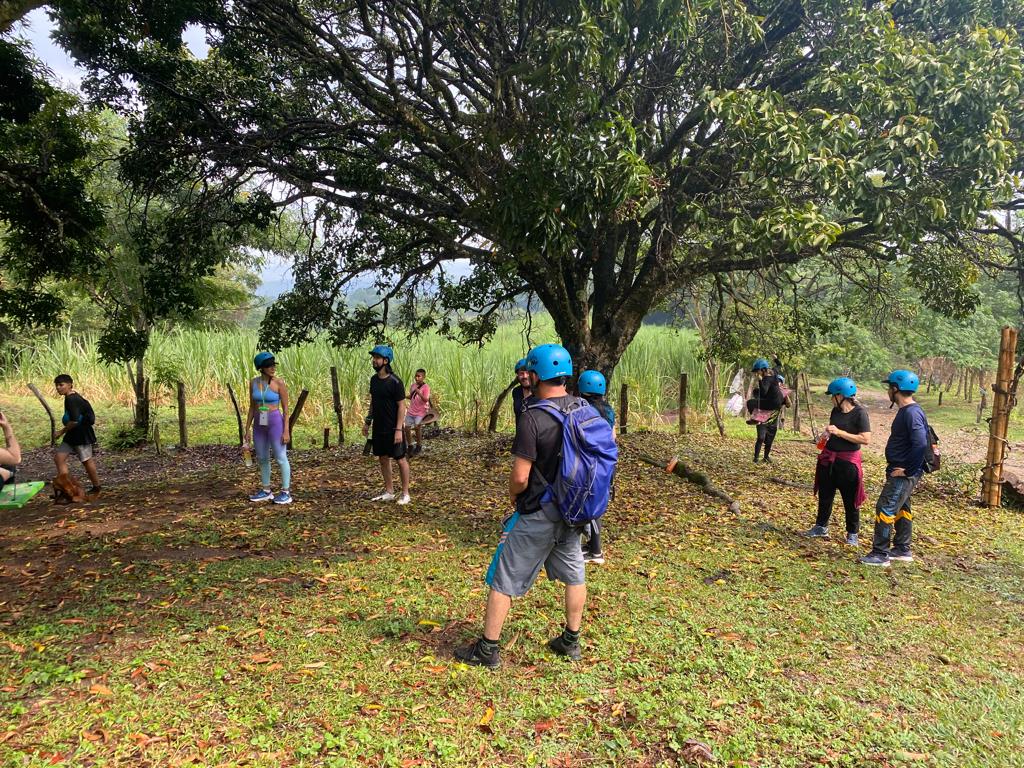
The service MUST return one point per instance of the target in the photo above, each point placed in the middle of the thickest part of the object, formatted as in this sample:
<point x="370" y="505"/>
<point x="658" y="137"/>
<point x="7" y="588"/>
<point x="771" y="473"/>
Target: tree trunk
<point x="140" y="391"/>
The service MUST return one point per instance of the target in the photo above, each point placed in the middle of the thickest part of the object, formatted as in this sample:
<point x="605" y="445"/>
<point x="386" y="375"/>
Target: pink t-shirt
<point x="418" y="397"/>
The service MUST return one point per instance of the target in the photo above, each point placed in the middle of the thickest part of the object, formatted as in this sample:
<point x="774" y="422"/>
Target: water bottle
<point x="247" y="455"/>
<point x="823" y="440"/>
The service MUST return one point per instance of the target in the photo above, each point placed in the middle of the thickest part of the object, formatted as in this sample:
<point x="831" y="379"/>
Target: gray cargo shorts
<point x="529" y="542"/>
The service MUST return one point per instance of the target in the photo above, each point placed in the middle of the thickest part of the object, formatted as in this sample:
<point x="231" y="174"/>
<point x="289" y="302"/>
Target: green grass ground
<point x="172" y="623"/>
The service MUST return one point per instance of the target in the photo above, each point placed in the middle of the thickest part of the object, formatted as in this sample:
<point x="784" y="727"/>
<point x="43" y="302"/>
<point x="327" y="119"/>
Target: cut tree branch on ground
<point x="679" y="469"/>
<point x="791" y="484"/>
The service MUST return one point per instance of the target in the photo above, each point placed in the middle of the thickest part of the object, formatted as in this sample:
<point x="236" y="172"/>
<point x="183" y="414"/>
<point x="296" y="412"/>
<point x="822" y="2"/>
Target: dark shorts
<point x="384" y="445"/>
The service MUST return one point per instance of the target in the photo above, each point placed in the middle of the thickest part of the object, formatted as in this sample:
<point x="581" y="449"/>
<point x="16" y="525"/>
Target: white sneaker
<point x="404" y="499"/>
<point x="384" y="497"/>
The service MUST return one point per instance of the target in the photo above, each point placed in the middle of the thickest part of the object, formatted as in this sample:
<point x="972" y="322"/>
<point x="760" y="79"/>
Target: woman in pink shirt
<point x="419" y="402"/>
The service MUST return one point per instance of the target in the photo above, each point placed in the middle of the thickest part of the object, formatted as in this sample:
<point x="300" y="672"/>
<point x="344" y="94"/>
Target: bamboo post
<point x="182" y="424"/>
<point x="991" y="479"/>
<point x="336" y="394"/>
<point x="238" y="414"/>
<point x="295" y="414"/>
<point x="49" y="411"/>
<point x="492" y="422"/>
<point x="683" y="385"/>
<point x="624" y="408"/>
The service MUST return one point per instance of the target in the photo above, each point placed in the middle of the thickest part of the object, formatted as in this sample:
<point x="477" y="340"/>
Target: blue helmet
<point x="843" y="386"/>
<point x="263" y="360"/>
<point x="760" y="365"/>
<point x="521" y="365"/>
<point x="903" y="380"/>
<point x="592" y="383"/>
<point x="549" y="361"/>
<point x="383" y="351"/>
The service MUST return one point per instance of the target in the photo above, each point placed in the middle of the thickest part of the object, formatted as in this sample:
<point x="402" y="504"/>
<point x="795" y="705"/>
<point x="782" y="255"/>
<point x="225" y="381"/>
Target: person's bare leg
<point x="575" y="598"/>
<point x="498" y="606"/>
<point x="90" y="469"/>
<point x="419" y="434"/>
<point x="385" y="469"/>
<point x="403" y="472"/>
<point x="61" y="460"/>
<point x="407" y="434"/>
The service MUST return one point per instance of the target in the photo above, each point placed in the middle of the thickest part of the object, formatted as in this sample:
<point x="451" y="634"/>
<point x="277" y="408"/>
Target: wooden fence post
<point x="327" y="438"/>
<point x="49" y="412"/>
<point x="182" y="424"/>
<point x="992" y="477"/>
<point x="683" y="385"/>
<point x="624" y="409"/>
<point x="940" y="398"/>
<point x="807" y="403"/>
<point x="492" y="422"/>
<point x="796" y="402"/>
<point x="982" y="404"/>
<point x="295" y="414"/>
<point x="238" y="414"/>
<point x="336" y="394"/>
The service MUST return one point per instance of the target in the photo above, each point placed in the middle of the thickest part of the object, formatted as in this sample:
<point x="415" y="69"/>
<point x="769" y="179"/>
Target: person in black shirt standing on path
<point x="839" y="463"/>
<point x="767" y="398"/>
<point x="523" y="392"/>
<point x="78" y="433"/>
<point x="387" y="412"/>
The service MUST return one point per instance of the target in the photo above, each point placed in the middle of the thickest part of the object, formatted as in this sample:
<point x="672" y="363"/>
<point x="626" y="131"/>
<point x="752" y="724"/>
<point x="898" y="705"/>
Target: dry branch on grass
<point x="679" y="469"/>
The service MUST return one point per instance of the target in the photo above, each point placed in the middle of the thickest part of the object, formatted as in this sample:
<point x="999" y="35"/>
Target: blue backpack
<point x="589" y="456"/>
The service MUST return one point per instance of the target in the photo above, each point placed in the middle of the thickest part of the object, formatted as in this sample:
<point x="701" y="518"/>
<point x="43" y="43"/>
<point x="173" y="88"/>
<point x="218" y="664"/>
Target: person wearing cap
<point x="839" y="465"/>
<point x="768" y="398"/>
<point x="387" y="417"/>
<point x="593" y="386"/>
<point x="904" y="456"/>
<point x="535" y="535"/>
<point x="266" y="427"/>
<point x="523" y="392"/>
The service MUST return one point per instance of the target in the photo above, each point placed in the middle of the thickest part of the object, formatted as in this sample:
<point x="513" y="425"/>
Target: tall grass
<point x="464" y="380"/>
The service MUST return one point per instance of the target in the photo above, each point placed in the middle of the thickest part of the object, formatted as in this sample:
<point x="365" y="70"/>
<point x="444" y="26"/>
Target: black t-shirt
<point x="519" y="397"/>
<point x="78" y="409"/>
<point x="855" y="422"/>
<point x="768" y="394"/>
<point x="539" y="439"/>
<point x="385" y="395"/>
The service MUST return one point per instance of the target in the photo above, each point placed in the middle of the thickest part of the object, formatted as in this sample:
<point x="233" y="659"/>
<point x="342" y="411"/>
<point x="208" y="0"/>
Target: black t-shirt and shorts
<point x="535" y="535"/>
<point x="81" y="440"/>
<point x="385" y="396"/>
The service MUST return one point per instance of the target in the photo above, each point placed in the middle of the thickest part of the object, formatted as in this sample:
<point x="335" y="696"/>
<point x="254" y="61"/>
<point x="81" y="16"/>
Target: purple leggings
<point x="267" y="439"/>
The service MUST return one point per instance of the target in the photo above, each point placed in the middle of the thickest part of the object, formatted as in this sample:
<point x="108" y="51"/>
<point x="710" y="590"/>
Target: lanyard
<point x="263" y="398"/>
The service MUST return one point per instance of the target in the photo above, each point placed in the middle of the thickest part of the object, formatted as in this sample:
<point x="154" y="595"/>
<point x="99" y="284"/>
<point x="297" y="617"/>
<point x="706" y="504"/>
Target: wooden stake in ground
<point x="683" y="384"/>
<point x="336" y="395"/>
<point x="49" y="412"/>
<point x="182" y="424"/>
<point x="624" y="409"/>
<point x="807" y="403"/>
<point x="238" y="414"/>
<point x="1002" y="403"/>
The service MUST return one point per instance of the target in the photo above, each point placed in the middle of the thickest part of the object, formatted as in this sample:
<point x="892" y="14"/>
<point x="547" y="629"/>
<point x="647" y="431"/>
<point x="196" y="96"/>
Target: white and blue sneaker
<point x="261" y="495"/>
<point x="283" y="498"/>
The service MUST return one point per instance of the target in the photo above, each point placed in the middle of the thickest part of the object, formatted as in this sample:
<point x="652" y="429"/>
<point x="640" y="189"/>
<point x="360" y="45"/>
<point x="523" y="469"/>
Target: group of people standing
<point x="839" y="468"/>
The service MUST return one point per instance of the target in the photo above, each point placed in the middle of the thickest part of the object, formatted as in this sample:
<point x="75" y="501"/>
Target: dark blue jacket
<point x="908" y="440"/>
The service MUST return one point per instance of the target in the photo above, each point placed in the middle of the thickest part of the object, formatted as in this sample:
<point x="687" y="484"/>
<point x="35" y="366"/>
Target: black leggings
<point x="841" y="476"/>
<point x="765" y="436"/>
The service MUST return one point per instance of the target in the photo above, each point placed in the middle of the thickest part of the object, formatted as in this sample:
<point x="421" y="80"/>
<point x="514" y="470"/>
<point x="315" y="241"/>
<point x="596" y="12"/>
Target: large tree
<point x="595" y="154"/>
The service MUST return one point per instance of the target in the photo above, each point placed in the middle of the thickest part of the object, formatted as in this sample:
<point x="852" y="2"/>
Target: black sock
<point x="569" y="636"/>
<point x="487" y="647"/>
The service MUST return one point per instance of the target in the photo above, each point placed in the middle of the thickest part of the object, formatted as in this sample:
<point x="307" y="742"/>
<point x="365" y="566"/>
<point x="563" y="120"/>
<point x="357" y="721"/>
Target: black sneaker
<point x="597" y="558"/>
<point x="472" y="655"/>
<point x="562" y="648"/>
<point x="901" y="555"/>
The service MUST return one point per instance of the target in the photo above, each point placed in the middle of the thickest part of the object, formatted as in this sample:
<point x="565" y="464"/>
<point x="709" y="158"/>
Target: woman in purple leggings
<point x="268" y="408"/>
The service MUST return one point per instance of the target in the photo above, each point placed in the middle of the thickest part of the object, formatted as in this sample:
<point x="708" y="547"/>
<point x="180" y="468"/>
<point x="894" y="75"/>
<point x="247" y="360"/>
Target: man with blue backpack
<point x="565" y="456"/>
<point x="906" y="456"/>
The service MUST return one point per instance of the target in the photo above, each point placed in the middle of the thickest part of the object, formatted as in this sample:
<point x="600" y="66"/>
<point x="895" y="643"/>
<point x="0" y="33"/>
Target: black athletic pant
<point x="765" y="436"/>
<point x="841" y="476"/>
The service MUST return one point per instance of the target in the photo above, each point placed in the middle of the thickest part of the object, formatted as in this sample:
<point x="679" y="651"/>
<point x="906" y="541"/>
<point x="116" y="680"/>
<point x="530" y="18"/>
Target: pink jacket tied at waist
<point x="825" y="460"/>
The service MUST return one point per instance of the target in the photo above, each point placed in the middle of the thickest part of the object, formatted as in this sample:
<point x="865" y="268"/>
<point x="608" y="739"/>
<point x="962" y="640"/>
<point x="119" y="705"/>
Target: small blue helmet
<point x="843" y="386"/>
<point x="549" y="361"/>
<point x="521" y="365"/>
<point x="760" y="365"/>
<point x="903" y="380"/>
<point x="263" y="360"/>
<point x="592" y="383"/>
<point x="383" y="351"/>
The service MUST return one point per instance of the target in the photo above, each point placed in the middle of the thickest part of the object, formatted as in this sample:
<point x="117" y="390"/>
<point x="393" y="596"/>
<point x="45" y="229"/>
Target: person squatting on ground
<point x="535" y="534"/>
<point x="268" y="408"/>
<point x="387" y="415"/>
<point x="767" y="398"/>
<point x="593" y="386"/>
<point x="10" y="456"/>
<point x="419" y="402"/>
<point x="839" y="465"/>
<point x="905" y="457"/>
<point x="78" y="435"/>
<point x="523" y="392"/>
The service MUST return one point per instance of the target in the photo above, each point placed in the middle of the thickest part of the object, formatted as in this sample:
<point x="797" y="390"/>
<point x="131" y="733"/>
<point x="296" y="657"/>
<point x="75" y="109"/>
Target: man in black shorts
<point x="387" y="413"/>
<point x="79" y="437"/>
<point x="535" y="534"/>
